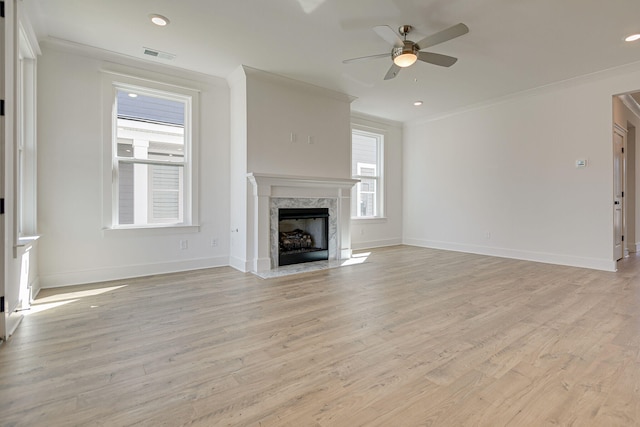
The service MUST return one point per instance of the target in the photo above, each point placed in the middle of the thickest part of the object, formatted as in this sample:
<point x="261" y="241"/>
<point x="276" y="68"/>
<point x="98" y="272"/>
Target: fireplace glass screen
<point x="303" y="235"/>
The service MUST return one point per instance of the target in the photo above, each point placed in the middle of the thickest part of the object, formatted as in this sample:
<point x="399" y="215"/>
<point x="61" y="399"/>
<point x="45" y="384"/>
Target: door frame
<point x="622" y="132"/>
<point x="3" y="237"/>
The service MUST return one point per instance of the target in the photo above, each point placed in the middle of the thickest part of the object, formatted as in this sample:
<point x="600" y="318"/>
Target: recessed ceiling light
<point x="159" y="20"/>
<point x="133" y="95"/>
<point x="418" y="103"/>
<point x="632" y="38"/>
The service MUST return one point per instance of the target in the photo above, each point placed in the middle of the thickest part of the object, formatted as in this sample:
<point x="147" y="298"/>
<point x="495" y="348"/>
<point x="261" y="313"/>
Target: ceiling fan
<point x="405" y="52"/>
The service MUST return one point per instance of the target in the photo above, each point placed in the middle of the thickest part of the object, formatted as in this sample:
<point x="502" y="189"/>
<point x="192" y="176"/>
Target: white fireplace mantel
<point x="268" y="186"/>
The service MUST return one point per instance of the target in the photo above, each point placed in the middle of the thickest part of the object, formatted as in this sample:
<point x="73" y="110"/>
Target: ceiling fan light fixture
<point x="405" y="60"/>
<point x="406" y="55"/>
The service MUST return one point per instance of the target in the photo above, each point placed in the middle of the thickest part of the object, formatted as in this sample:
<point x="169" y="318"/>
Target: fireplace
<point x="303" y="235"/>
<point x="272" y="193"/>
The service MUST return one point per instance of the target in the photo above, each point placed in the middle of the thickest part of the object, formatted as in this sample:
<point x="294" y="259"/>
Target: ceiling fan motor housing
<point x="405" y="29"/>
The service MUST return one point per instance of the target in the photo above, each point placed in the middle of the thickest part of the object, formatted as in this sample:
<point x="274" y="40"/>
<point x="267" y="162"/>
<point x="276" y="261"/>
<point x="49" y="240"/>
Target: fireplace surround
<point x="277" y="204"/>
<point x="274" y="192"/>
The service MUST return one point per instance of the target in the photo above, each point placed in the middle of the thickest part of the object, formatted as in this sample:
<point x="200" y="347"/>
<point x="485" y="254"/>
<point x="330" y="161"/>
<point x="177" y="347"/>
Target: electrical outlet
<point x="184" y="244"/>
<point x="214" y="242"/>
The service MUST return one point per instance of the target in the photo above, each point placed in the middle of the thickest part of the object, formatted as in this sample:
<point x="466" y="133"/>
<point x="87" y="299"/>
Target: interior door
<point x="618" y="192"/>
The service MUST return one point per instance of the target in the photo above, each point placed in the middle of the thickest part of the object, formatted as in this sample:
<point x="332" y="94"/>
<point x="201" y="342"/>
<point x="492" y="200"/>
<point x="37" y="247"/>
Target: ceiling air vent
<point x="158" y="54"/>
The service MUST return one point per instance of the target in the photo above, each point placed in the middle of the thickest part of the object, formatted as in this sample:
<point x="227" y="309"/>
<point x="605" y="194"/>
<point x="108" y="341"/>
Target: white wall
<point x="74" y="248"/>
<point x="501" y="180"/>
<point x="386" y="231"/>
<point x="278" y="107"/>
<point x="265" y="110"/>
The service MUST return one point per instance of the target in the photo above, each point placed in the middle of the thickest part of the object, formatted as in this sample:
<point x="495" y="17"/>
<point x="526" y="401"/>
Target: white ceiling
<point x="513" y="45"/>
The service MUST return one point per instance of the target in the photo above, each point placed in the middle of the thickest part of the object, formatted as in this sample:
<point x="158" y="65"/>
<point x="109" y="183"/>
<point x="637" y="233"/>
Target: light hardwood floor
<point x="411" y="337"/>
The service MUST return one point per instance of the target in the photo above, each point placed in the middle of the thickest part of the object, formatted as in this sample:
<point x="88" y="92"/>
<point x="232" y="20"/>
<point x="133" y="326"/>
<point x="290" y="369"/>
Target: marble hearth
<point x="273" y="192"/>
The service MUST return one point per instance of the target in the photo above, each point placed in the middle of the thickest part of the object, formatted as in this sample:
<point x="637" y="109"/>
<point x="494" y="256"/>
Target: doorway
<point x="619" y="138"/>
<point x="626" y="119"/>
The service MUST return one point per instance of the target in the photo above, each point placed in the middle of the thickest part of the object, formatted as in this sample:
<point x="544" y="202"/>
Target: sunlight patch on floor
<point x="357" y="258"/>
<point x="37" y="308"/>
<point x="77" y="294"/>
<point x="63" y="298"/>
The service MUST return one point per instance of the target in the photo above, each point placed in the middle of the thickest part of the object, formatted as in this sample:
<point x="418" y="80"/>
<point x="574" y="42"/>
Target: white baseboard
<point x="35" y="289"/>
<point x="239" y="264"/>
<point x="12" y="321"/>
<point x="375" y="244"/>
<point x="547" y="258"/>
<point x="262" y="264"/>
<point x="346" y="253"/>
<point x="126" y="272"/>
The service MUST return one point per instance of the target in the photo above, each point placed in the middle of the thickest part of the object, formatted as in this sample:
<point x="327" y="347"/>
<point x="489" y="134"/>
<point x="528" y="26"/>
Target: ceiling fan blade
<point x="437" y="59"/>
<point x="393" y="71"/>
<point x="389" y="35"/>
<point x="442" y="36"/>
<point x="365" y="58"/>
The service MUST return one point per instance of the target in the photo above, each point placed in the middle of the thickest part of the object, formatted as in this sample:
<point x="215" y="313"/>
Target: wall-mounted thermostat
<point x="581" y="163"/>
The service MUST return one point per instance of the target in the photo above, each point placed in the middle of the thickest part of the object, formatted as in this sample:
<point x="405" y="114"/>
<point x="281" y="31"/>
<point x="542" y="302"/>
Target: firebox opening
<point x="303" y="235"/>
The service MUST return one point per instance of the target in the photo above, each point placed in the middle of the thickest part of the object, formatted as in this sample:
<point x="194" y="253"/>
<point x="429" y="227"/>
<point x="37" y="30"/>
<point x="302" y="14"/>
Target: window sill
<point x="152" y="230"/>
<point x="26" y="241"/>
<point x="24" y="245"/>
<point x="370" y="219"/>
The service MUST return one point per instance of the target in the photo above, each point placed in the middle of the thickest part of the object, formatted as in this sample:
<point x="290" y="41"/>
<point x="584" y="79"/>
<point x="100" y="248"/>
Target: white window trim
<point x="111" y="82"/>
<point x="380" y="136"/>
<point x="25" y="188"/>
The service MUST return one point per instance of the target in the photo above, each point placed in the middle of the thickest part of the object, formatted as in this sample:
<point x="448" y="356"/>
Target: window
<point x="366" y="165"/>
<point x="152" y="151"/>
<point x="25" y="164"/>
